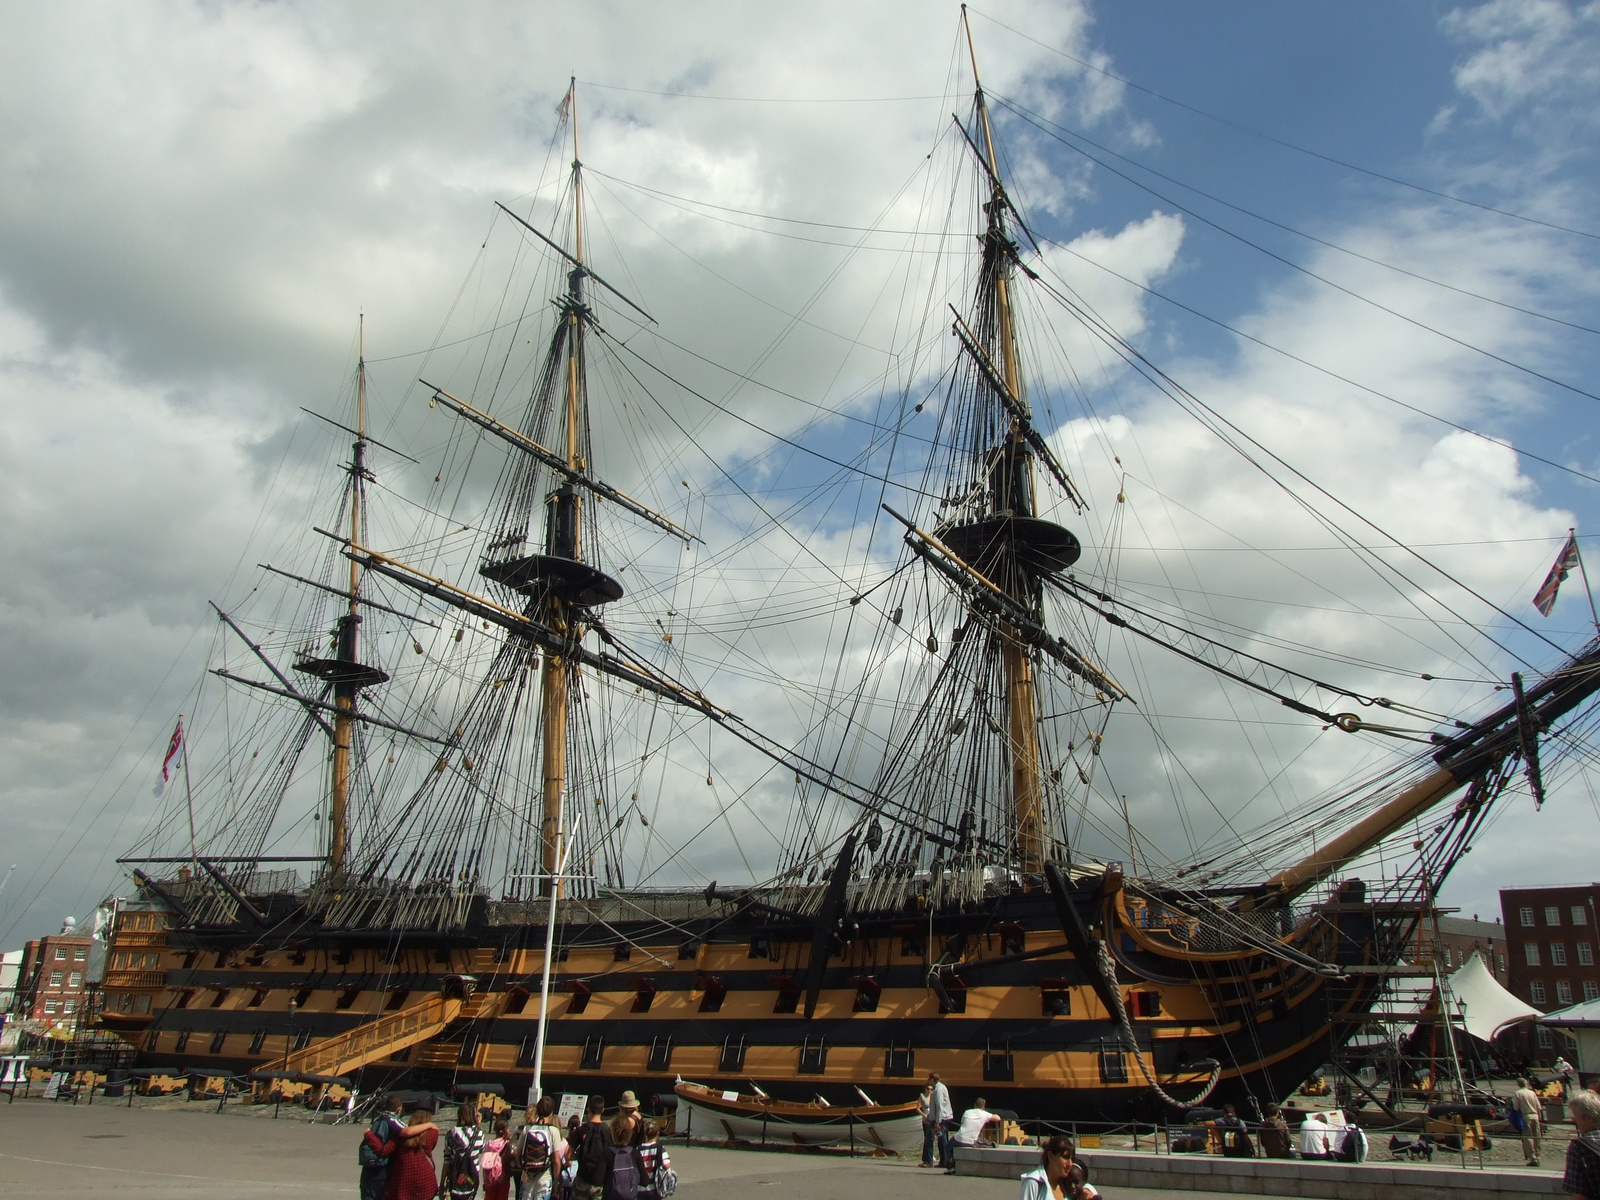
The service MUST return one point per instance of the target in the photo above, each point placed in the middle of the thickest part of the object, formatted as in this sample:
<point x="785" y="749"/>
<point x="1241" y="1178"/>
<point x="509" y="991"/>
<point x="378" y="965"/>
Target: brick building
<point x="1551" y="934"/>
<point x="1459" y="939"/>
<point x="54" y="977"/>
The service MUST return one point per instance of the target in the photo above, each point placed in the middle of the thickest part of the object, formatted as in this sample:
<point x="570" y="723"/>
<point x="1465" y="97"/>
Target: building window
<point x="68" y="1005"/>
<point x="50" y="1006"/>
<point x="1446" y="956"/>
<point x="1580" y="915"/>
<point x="1502" y="960"/>
<point x="80" y="953"/>
<point x="1558" y="954"/>
<point x="75" y="979"/>
<point x="152" y="961"/>
<point x="1525" y="916"/>
<point x="141" y="1004"/>
<point x="1530" y="953"/>
<point x="1552" y="915"/>
<point x="55" y="978"/>
<point x="1536" y="991"/>
<point x="61" y="954"/>
<point x="1563" y="992"/>
<point x="1585" y="954"/>
<point x="1591" y="990"/>
<point x="1546" y="1042"/>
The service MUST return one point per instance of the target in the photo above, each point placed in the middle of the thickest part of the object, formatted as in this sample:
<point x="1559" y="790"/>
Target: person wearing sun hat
<point x="622" y="1129"/>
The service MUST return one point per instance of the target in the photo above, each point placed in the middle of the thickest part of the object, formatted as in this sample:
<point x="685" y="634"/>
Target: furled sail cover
<point x="1486" y="1007"/>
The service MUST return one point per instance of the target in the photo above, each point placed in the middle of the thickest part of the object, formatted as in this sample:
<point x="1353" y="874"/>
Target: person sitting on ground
<point x="1348" y="1144"/>
<point x="1314" y="1137"/>
<point x="973" y="1122"/>
<point x="1235" y="1137"/>
<point x="1276" y="1141"/>
<point x="1053" y="1178"/>
<point x="1581" y="1180"/>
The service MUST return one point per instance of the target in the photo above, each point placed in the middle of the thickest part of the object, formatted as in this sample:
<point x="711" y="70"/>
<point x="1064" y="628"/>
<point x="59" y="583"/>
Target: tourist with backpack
<point x="591" y="1152"/>
<point x="386" y="1127"/>
<point x="625" y="1167"/>
<point x="411" y="1158"/>
<point x="1352" y="1147"/>
<point x="1235" y="1136"/>
<point x="494" y="1164"/>
<point x="541" y="1149"/>
<point x="463" y="1152"/>
<point x="657" y="1179"/>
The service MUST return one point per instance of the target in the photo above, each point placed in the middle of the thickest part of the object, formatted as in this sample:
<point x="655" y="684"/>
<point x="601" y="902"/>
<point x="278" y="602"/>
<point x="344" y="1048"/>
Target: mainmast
<point x="1011" y="496"/>
<point x="563" y="539"/>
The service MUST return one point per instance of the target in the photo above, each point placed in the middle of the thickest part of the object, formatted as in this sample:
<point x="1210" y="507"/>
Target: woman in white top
<point x="1060" y="1176"/>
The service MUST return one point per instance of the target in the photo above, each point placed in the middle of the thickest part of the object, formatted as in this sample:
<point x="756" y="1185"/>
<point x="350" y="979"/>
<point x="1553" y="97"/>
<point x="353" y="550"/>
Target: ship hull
<point x="994" y="1001"/>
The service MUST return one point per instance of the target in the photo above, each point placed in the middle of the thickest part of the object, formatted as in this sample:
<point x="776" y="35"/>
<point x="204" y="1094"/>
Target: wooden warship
<point x="935" y="934"/>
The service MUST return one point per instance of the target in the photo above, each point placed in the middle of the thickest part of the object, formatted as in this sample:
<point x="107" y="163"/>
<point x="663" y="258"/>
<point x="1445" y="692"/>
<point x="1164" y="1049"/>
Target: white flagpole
<point x="536" y="1092"/>
<point x="188" y="792"/>
<point x="1583" y="571"/>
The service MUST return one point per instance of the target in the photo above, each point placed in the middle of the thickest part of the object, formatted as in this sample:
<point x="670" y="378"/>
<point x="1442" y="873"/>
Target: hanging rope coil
<point x="1108" y="969"/>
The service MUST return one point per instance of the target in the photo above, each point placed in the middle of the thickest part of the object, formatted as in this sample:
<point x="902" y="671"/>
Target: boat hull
<point x="706" y="1113"/>
<point x="1016" y="1017"/>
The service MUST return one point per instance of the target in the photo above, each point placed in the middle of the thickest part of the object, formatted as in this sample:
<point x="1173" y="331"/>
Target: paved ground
<point x="49" y="1149"/>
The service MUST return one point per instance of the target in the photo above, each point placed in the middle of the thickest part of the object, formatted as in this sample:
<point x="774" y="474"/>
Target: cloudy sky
<point x="196" y="201"/>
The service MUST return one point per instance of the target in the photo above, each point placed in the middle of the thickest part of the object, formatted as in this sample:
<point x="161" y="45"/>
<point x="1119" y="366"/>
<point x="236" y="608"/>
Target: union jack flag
<point x="1545" y="598"/>
<point x="169" y="764"/>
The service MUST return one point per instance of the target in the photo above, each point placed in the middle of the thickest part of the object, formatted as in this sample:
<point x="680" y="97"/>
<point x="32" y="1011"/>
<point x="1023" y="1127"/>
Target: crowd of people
<point x="623" y="1159"/>
<point x="588" y="1159"/>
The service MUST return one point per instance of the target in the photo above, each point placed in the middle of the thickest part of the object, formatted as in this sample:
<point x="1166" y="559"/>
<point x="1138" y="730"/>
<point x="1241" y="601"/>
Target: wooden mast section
<point x="1011" y="494"/>
<point x="563" y="540"/>
<point x="344" y="693"/>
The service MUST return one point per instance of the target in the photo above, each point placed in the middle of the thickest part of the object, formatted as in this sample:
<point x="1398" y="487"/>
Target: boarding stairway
<point x="460" y="1005"/>
<point x="388" y="1035"/>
